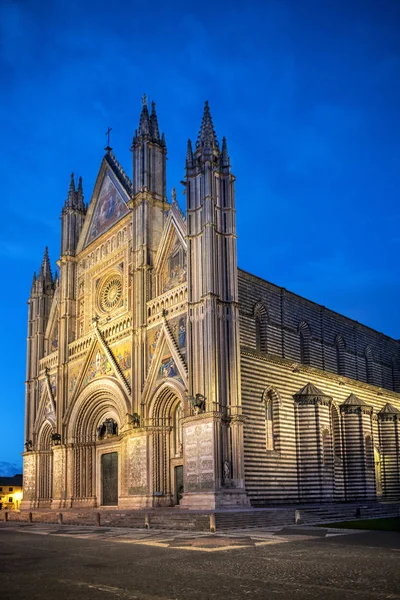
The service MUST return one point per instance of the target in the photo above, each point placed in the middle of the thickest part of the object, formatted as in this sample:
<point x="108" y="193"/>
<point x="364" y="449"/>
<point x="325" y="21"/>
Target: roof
<point x="311" y="390"/>
<point x="353" y="400"/>
<point x="14" y="481"/>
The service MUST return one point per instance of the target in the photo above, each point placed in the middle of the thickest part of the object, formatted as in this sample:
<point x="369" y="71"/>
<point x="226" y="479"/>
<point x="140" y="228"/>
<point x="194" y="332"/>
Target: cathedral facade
<point x="160" y="374"/>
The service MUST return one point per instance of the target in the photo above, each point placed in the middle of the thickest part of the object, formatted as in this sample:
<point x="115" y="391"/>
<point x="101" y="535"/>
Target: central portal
<point x="109" y="479"/>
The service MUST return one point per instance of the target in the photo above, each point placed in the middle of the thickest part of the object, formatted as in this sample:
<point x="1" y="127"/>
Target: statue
<point x="227" y="470"/>
<point x="28" y="445"/>
<point x="56" y="439"/>
<point x="133" y="420"/>
<point x="198" y="403"/>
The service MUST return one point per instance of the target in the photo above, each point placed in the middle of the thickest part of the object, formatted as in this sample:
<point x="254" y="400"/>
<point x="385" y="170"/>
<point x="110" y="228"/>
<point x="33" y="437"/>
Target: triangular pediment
<point x="100" y="362"/>
<point x="166" y="361"/>
<point x="171" y="261"/>
<point x="108" y="203"/>
<point x="47" y="407"/>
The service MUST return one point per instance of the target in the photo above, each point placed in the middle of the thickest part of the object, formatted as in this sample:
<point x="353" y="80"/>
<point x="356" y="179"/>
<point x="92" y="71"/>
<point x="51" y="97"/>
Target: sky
<point x="306" y="92"/>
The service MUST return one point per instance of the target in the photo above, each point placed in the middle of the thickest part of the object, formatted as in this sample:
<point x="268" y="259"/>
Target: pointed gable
<point x="110" y="207"/>
<point x="171" y="260"/>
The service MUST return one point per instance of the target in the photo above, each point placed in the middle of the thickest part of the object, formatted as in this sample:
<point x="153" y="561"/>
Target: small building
<point x="10" y="492"/>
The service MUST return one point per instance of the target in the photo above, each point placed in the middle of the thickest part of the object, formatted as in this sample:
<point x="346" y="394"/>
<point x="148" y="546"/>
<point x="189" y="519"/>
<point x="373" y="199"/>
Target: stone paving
<point x="195" y="541"/>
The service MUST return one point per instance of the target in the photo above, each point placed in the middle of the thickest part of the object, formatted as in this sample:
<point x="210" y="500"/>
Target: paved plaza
<point x="49" y="561"/>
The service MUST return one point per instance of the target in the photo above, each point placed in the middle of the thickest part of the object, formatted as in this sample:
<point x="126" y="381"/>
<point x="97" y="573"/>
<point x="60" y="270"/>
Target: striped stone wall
<point x="320" y="448"/>
<point x="333" y="342"/>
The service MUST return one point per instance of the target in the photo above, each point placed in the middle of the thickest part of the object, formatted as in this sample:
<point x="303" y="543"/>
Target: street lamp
<point x="18" y="498"/>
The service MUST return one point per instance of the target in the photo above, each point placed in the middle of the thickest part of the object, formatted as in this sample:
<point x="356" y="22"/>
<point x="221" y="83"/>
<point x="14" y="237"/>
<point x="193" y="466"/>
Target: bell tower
<point x="213" y="328"/>
<point x="149" y="211"/>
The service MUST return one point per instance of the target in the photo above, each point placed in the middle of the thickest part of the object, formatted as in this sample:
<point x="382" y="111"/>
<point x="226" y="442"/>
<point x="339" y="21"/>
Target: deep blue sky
<point x="306" y="92"/>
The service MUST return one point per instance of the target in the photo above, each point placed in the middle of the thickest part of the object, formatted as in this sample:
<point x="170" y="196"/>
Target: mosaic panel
<point x="123" y="355"/>
<point x="110" y="207"/>
<point x="173" y="271"/>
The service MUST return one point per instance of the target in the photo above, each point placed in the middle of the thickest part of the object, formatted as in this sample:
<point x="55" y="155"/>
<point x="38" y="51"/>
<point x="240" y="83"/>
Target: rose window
<point x="110" y="293"/>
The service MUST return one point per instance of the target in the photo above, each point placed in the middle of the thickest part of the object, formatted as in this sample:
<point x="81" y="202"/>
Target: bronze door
<point x="109" y="479"/>
<point x="178" y="484"/>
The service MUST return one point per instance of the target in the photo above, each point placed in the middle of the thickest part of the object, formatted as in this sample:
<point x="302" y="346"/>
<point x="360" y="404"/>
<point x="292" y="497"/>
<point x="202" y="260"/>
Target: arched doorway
<point x="45" y="465"/>
<point x="167" y="446"/>
<point x="94" y="429"/>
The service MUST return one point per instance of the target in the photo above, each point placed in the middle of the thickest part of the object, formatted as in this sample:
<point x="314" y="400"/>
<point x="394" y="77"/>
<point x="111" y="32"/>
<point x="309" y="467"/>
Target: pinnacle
<point x="207" y="140"/>
<point x="144" y="122"/>
<point x="224" y="154"/>
<point x="45" y="269"/>
<point x="189" y="154"/>
<point x="79" y="196"/>
<point x="34" y="280"/>
<point x="75" y="196"/>
<point x="155" y="132"/>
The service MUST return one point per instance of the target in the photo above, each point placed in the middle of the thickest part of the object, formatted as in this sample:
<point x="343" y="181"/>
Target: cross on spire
<point x="108" y="147"/>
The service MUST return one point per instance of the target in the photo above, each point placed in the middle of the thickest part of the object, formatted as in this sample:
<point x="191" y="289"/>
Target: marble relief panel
<point x="199" y="457"/>
<point x="137" y="465"/>
<point x="29" y="476"/>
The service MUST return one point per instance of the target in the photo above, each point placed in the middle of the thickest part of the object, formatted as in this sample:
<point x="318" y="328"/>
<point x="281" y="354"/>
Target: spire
<point x="207" y="140"/>
<point x="70" y="201"/>
<point x="45" y="275"/>
<point x="144" y="123"/>
<point x="189" y="154"/>
<point x="79" y="196"/>
<point x="155" y="132"/>
<point x="224" y="154"/>
<point x="33" y="281"/>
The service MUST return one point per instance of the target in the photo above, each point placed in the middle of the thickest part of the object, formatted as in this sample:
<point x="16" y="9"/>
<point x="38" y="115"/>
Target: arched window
<point x="369" y="365"/>
<point x="261" y="317"/>
<point x="327" y="449"/>
<point x="337" y="447"/>
<point x="369" y="453"/>
<point x="271" y="406"/>
<point x="305" y="337"/>
<point x="340" y="347"/>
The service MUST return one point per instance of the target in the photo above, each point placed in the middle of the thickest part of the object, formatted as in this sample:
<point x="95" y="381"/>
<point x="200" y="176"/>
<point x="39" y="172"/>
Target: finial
<point x="173" y="193"/>
<point x="144" y="100"/>
<point x="108" y="147"/>
<point x="72" y="183"/>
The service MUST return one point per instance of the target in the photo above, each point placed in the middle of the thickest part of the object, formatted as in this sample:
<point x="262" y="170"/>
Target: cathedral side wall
<point x="335" y="343"/>
<point x="272" y="475"/>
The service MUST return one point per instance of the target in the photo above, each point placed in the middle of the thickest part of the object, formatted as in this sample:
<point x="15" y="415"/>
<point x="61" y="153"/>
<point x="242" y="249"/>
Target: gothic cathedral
<point x="160" y="374"/>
